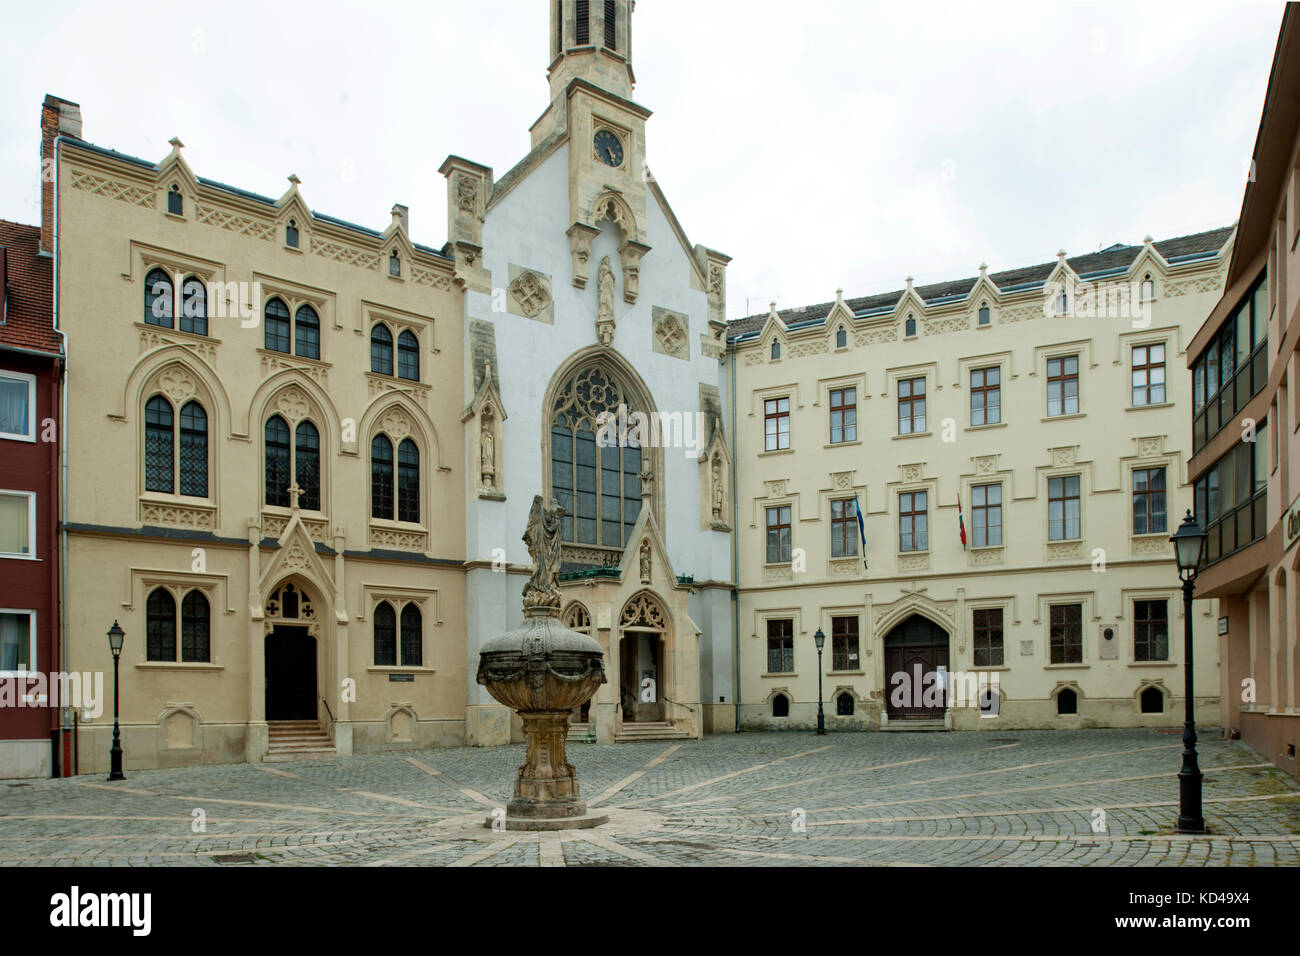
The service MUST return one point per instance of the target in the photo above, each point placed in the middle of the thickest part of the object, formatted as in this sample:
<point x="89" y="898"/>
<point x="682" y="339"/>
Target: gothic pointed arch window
<point x="776" y="350"/>
<point x="412" y="636"/>
<point x="395" y="265"/>
<point x="408" y="356"/>
<point x="985" y="316"/>
<point x="306" y="330"/>
<point x="599" y="488"/>
<point x="195" y="628"/>
<point x="841" y="338"/>
<point x="158" y="449"/>
<point x="385" y="635"/>
<point x="276" y="315"/>
<point x="381" y="350"/>
<point x="408" y="481"/>
<point x="159" y="295"/>
<point x="381" y="477"/>
<point x="194" y="450"/>
<point x="577" y="618"/>
<point x="909" y="327"/>
<point x="291" y="234"/>
<point x="175" y="201"/>
<point x="194" y="306"/>
<point x="160" y="626"/>
<point x="292" y="461"/>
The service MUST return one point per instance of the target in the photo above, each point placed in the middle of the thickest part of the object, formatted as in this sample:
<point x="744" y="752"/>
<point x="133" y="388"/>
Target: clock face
<point x="608" y="148"/>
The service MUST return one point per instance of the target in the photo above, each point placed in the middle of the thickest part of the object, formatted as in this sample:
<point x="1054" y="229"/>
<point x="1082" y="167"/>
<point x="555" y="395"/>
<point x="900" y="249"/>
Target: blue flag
<point x="862" y="528"/>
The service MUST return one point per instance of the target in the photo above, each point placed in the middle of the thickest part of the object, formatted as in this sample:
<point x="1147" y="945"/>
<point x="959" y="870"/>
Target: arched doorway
<point x="642" y="626"/>
<point x="290" y="649"/>
<point x="916" y="670"/>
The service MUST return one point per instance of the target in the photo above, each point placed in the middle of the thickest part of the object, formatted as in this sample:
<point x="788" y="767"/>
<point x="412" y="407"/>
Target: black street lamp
<point x="115" y="636"/>
<point x="820" y="638"/>
<point x="1189" y="544"/>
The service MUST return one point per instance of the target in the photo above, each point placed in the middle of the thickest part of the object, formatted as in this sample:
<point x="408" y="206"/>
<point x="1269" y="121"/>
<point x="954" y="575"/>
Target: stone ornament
<point x="645" y="561"/>
<point x="530" y="293"/>
<point x="718" y="492"/>
<point x="543" y="539"/>
<point x="487" y="454"/>
<point x="605" y="303"/>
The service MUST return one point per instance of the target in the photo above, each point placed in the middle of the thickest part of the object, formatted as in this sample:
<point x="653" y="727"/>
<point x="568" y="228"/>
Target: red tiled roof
<point x="30" y="289"/>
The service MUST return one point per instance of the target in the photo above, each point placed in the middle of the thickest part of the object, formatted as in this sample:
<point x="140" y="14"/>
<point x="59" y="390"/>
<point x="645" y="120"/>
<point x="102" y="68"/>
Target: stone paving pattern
<point x="1025" y="798"/>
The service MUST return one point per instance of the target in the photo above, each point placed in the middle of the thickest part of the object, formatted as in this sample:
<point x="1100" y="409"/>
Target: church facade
<point x="300" y="455"/>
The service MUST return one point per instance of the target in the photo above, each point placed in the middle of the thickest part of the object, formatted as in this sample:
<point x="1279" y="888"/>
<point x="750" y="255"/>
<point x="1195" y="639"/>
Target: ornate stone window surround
<point x="287" y="405"/>
<point x="1082" y="348"/>
<point x="1084" y="472"/>
<point x="1169" y="462"/>
<point x="825" y="613"/>
<point x="178" y="383"/>
<point x="1004" y="362"/>
<point x="903" y="486"/>
<point x="1173" y="599"/>
<point x="1003" y="480"/>
<point x="144" y="581"/>
<point x="294" y="295"/>
<point x="926" y="370"/>
<point x="1007" y="607"/>
<point x="426" y="599"/>
<point x="1088" y="621"/>
<point x="794" y="615"/>
<point x="823" y="400"/>
<point x="757" y="410"/>
<point x="179" y="267"/>
<point x="1127" y="341"/>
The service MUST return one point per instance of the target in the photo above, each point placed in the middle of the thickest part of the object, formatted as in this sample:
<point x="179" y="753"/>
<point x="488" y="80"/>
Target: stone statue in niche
<point x="717" y="488"/>
<point x="605" y="302"/>
<point x="645" y="560"/>
<point x="543" y="539"/>
<point x="487" y="454"/>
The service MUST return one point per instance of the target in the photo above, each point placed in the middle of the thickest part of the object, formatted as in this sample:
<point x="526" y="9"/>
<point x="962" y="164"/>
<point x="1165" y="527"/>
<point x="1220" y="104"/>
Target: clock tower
<point x="591" y="83"/>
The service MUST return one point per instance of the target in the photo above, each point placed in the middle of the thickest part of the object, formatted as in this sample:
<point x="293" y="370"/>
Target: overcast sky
<point x="820" y="144"/>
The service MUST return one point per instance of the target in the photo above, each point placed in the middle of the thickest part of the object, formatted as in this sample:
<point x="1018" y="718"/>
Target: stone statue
<point x="605" y="304"/>
<point x="645" y="560"/>
<point x="543" y="539"/>
<point x="717" y="488"/>
<point x="488" y="454"/>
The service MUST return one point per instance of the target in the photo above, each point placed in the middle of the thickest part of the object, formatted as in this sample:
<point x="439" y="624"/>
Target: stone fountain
<point x="543" y="670"/>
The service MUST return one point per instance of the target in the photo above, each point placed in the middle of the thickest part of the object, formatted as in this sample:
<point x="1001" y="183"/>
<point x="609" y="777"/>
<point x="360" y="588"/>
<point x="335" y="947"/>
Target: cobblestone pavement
<point x="1037" y="798"/>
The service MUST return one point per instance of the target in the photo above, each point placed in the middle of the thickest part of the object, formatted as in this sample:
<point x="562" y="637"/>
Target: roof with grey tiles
<point x="1115" y="257"/>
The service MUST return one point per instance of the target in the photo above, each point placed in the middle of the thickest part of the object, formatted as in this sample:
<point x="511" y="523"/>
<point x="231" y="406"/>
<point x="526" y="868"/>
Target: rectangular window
<point x="986" y="515"/>
<point x="985" y="396"/>
<point x="1148" y="374"/>
<point x="844" y="644"/>
<point x="778" y="534"/>
<point x="844" y="528"/>
<point x="780" y="646"/>
<point x="913" y="530"/>
<point x="1066" y="633"/>
<point x="776" y="423"/>
<point x="17" y="406"/>
<point x="1063" y="508"/>
<point x="1063" y="385"/>
<point x="1150" y="630"/>
<point x="844" y="415"/>
<point x="987" y="633"/>
<point x="17" y="524"/>
<point x="911" y="406"/>
<point x="1149" y="500"/>
<point x="17" y="641"/>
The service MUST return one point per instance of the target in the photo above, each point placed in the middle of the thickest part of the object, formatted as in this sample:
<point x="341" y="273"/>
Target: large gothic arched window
<point x="599" y="488"/>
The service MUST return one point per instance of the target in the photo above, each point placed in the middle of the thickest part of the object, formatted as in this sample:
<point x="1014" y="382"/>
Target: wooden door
<point x="917" y="649"/>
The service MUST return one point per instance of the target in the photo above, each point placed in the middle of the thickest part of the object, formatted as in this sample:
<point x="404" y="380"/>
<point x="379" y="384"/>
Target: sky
<point x="821" y="144"/>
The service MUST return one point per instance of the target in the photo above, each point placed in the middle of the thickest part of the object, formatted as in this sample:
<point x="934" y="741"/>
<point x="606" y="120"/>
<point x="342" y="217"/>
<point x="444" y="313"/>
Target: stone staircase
<point x="581" y="733"/>
<point x="913" y="724"/>
<point x="649" y="730"/>
<point x="297" y="740"/>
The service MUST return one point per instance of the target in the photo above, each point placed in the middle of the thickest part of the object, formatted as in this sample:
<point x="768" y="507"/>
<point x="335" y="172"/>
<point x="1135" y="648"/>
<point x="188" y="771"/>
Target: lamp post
<point x="820" y="638"/>
<point x="1189" y="544"/>
<point x="115" y="636"/>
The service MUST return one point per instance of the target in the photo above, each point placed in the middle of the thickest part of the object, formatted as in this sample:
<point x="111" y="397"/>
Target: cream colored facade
<point x="115" y="224"/>
<point x="1102" y="568"/>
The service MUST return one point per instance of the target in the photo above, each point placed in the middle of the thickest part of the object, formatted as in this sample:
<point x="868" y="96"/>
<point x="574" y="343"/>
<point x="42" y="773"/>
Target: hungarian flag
<point x="862" y="528"/>
<point x="961" y="523"/>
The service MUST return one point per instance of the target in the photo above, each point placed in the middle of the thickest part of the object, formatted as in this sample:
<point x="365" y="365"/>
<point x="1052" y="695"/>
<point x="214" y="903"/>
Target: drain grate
<point x="236" y="858"/>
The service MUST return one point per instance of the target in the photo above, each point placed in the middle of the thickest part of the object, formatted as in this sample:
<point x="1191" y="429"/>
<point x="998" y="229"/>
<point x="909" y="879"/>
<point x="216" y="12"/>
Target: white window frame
<point x="31" y="405"/>
<point x="31" y="526"/>
<point x="31" y="639"/>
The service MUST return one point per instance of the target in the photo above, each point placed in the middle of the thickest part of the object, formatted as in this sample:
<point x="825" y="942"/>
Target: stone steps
<point x="900" y="724"/>
<point x="650" y="730"/>
<point x="297" y="740"/>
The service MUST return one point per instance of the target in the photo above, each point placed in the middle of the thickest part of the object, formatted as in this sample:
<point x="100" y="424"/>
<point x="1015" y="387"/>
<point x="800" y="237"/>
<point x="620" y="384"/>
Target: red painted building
<point x="30" y="375"/>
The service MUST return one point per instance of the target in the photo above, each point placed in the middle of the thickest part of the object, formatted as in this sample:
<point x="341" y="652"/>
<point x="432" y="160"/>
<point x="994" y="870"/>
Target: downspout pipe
<point x="66" y="715"/>
<point x="735" y="546"/>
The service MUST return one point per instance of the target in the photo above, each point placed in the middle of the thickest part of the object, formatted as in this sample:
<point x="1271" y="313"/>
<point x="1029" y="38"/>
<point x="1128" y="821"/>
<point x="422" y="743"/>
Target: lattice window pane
<point x="408" y="481"/>
<point x="385" y="635"/>
<point x="160" y="626"/>
<point x="194" y="450"/>
<point x="381" y="350"/>
<point x="307" y="465"/>
<point x="381" y="477"/>
<point x="277" y="462"/>
<point x="277" y="326"/>
<point x="306" y="327"/>
<point x="412" y="637"/>
<point x="195" y="624"/>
